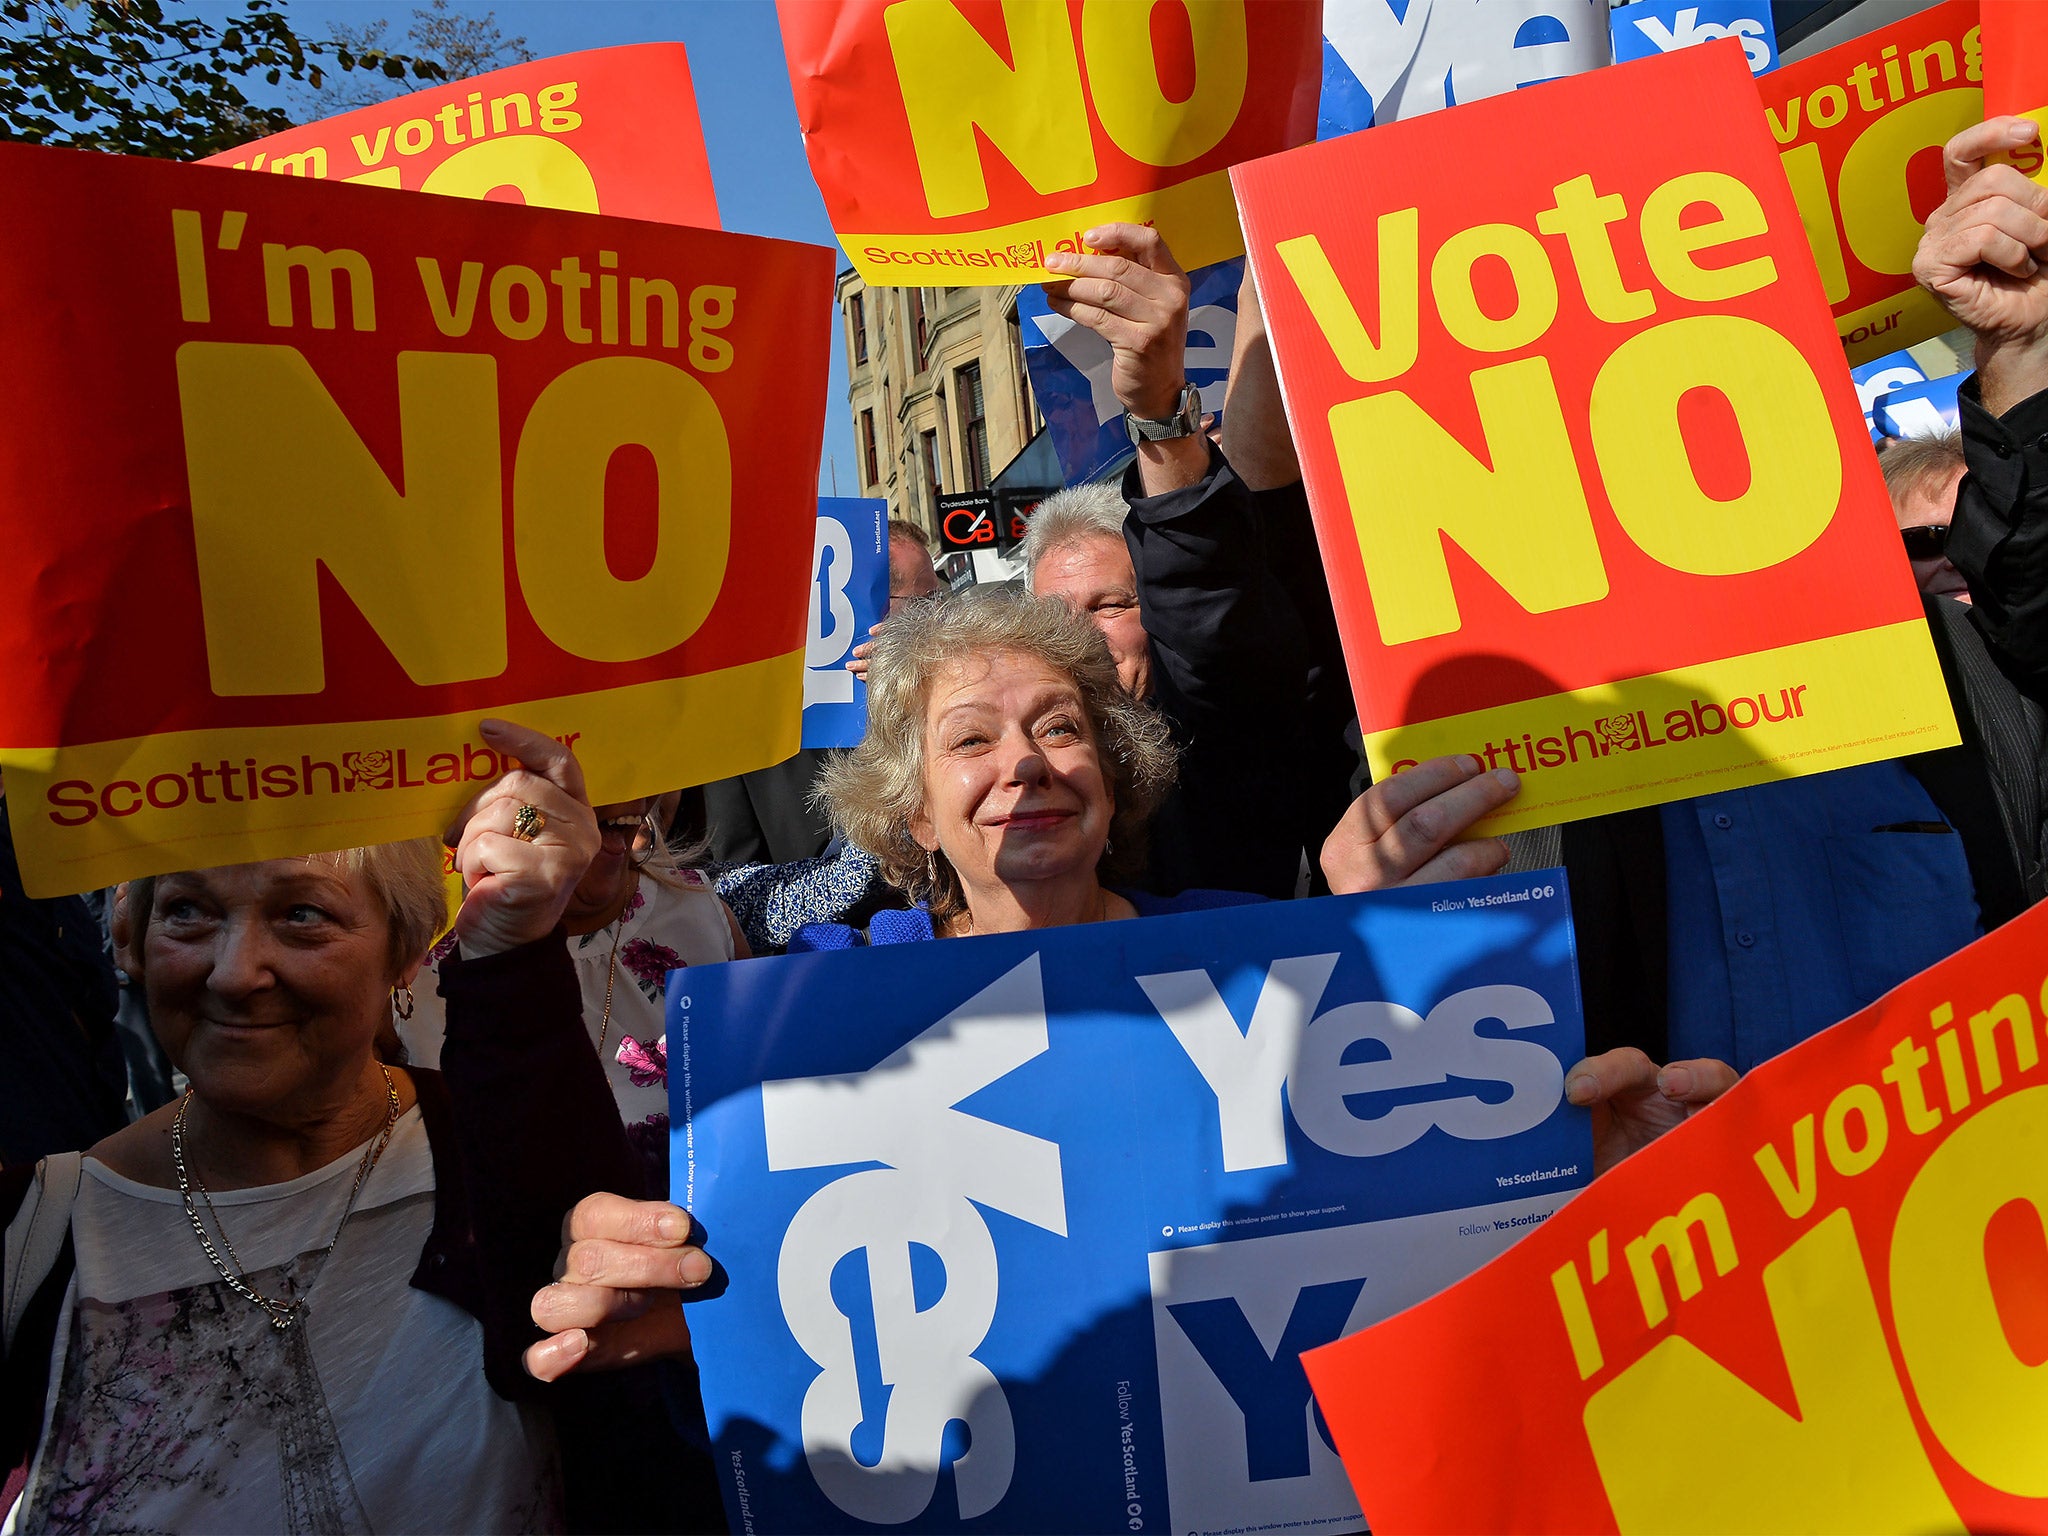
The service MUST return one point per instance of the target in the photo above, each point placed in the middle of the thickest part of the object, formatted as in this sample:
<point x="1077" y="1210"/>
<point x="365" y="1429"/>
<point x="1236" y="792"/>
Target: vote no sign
<point x="1821" y="1305"/>
<point x="961" y="140"/>
<point x="1592" y="486"/>
<point x="299" y="480"/>
<point x="610" y="131"/>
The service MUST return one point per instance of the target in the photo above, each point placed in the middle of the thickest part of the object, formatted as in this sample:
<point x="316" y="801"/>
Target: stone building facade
<point x="940" y="397"/>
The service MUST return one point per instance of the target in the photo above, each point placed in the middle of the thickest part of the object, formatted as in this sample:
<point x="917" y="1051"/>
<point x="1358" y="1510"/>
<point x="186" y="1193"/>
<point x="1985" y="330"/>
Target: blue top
<point x="1789" y="907"/>
<point x="915" y="925"/>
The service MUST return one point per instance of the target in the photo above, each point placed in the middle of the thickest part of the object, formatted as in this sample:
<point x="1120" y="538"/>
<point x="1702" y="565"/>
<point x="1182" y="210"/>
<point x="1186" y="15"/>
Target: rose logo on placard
<point x="367" y="770"/>
<point x="1024" y="253"/>
<point x="1620" y="731"/>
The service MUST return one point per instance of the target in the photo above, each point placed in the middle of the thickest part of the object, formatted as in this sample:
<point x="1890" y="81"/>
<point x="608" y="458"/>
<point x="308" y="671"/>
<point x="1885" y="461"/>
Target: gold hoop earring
<point x="401" y="999"/>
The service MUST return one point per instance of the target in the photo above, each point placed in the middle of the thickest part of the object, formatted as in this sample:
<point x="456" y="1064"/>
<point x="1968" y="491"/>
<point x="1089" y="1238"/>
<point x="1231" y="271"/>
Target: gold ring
<point x="528" y="822"/>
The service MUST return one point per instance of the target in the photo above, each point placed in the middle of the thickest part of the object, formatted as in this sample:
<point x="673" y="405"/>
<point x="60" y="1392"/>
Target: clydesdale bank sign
<point x="300" y="479"/>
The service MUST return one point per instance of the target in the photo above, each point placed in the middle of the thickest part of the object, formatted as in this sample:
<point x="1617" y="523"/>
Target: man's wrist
<point x="2010" y="371"/>
<point x="1172" y="464"/>
<point x="1155" y="405"/>
<point x="1181" y="418"/>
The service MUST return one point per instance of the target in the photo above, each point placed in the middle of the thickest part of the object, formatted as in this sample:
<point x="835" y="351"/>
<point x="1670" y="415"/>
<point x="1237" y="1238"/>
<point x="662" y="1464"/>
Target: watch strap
<point x="1186" y="421"/>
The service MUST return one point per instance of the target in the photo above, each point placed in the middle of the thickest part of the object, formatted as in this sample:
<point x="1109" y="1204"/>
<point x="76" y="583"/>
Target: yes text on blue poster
<point x="1027" y="1232"/>
<point x="849" y="595"/>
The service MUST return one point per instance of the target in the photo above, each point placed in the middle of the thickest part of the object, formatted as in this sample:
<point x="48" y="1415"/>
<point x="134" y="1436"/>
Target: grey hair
<point x="406" y="877"/>
<point x="876" y="791"/>
<point x="1080" y="512"/>
<point x="1910" y="463"/>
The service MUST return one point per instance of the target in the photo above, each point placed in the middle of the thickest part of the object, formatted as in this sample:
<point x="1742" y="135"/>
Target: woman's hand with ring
<point x="523" y="844"/>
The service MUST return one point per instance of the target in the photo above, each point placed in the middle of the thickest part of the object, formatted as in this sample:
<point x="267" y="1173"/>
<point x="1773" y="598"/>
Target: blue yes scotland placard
<point x="1389" y="60"/>
<point x="1878" y="378"/>
<point x="1028" y="1232"/>
<point x="1927" y="409"/>
<point x="1665" y="26"/>
<point x="849" y="595"/>
<point x="1070" y="369"/>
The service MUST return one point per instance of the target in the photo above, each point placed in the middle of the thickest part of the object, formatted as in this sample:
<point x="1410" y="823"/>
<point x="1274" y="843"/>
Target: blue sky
<point x="757" y="157"/>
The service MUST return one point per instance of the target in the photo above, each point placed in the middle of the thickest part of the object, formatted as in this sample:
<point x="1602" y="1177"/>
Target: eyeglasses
<point x="1925" y="541"/>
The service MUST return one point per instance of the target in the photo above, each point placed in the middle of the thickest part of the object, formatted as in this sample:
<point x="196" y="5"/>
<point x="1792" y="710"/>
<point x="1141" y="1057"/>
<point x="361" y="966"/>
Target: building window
<point x="867" y="449"/>
<point x="928" y="450"/>
<point x="973" y="426"/>
<point x="857" y="317"/>
<point x="917" y="329"/>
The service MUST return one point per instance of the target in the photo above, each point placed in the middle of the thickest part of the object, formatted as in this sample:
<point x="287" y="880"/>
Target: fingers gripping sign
<point x="1407" y="830"/>
<point x="523" y="843"/>
<point x="1133" y="294"/>
<point x="857" y="663"/>
<point x="1634" y="1101"/>
<point x="624" y="1268"/>
<point x="1982" y="254"/>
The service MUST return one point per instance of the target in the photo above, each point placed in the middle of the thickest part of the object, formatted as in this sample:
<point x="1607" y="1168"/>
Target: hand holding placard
<point x="1134" y="295"/>
<point x="1634" y="1101"/>
<point x="1978" y="258"/>
<point x="518" y="883"/>
<point x="623" y="1268"/>
<point x="1405" y="830"/>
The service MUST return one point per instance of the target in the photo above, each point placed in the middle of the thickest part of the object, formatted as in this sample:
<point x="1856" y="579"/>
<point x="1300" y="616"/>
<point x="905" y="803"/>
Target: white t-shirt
<point x="177" y="1407"/>
<point x="662" y="929"/>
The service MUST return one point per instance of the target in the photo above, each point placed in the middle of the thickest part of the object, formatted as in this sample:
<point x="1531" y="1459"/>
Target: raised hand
<point x="1982" y="254"/>
<point x="518" y="885"/>
<point x="1133" y="294"/>
<point x="1405" y="830"/>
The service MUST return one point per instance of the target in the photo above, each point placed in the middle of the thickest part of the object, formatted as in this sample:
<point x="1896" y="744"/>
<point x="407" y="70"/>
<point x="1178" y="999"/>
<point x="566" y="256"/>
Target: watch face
<point x="1186" y="421"/>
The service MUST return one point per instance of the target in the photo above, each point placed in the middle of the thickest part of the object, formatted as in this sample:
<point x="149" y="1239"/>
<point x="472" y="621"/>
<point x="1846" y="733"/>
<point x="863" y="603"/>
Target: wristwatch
<point x="1186" y="420"/>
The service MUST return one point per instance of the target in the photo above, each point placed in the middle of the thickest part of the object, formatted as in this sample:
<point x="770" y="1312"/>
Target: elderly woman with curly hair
<point x="1007" y="777"/>
<point x="1005" y="781"/>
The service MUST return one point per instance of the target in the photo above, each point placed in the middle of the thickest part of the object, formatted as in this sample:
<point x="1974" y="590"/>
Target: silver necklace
<point x="282" y="1314"/>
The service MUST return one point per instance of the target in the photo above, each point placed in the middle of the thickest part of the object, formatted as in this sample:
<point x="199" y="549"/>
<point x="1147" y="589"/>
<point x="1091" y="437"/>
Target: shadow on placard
<point x="1665" y="712"/>
<point x="1077" y="1388"/>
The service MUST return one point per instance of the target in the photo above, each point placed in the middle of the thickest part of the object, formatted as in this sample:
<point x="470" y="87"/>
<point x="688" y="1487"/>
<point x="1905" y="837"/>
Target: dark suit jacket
<point x="1225" y="579"/>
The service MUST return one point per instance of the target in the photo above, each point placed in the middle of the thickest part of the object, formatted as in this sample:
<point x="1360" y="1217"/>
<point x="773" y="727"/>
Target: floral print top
<point x="665" y="927"/>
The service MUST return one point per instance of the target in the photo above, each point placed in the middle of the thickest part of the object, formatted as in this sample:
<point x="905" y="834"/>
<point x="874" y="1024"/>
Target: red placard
<point x="1593" y="490"/>
<point x="964" y="139"/>
<point x="298" y="480"/>
<point x="611" y="131"/>
<point x="1860" y="129"/>
<point x="2016" y="72"/>
<point x="1821" y="1304"/>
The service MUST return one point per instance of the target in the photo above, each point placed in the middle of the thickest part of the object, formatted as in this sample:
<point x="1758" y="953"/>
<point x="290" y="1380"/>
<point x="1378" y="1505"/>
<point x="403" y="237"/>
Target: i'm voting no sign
<point x="1028" y="1232"/>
